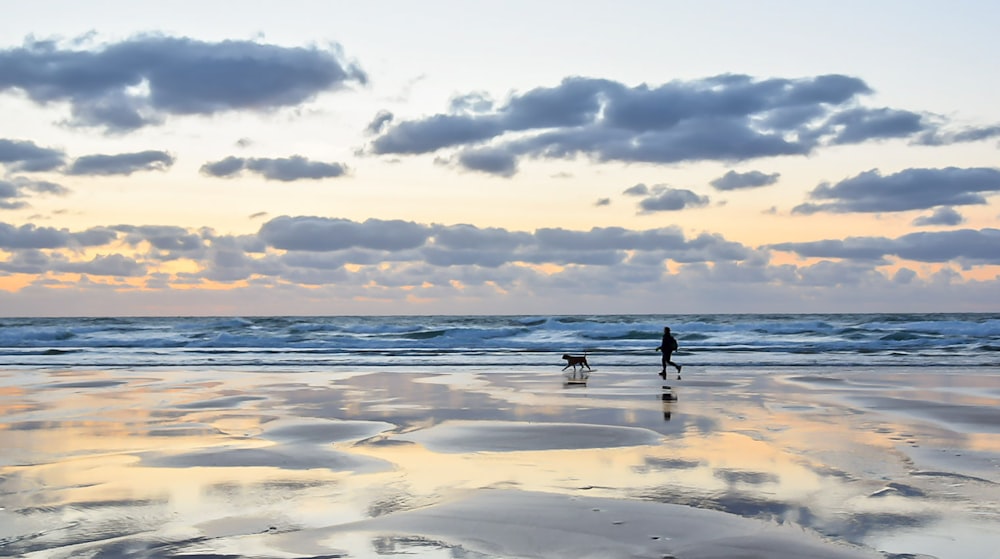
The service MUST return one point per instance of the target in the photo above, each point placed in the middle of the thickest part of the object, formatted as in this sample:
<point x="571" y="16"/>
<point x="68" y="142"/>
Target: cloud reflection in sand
<point x="181" y="462"/>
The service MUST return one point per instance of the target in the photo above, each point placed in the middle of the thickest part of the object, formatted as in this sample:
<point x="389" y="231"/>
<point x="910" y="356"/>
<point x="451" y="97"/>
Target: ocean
<point x="483" y="343"/>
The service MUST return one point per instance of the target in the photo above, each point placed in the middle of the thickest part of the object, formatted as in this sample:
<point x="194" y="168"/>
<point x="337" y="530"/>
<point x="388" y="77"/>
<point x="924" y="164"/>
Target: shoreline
<point x="858" y="462"/>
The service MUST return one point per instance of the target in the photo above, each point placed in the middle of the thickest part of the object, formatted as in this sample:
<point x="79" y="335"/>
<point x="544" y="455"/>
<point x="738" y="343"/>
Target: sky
<point x="454" y="157"/>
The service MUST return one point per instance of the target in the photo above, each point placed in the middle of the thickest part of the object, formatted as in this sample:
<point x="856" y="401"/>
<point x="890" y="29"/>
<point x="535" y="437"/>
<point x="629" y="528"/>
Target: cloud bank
<point x="911" y="189"/>
<point x="141" y="81"/>
<point x="722" y="118"/>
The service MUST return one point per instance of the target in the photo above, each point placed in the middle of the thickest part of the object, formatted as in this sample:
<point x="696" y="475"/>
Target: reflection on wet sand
<point x="112" y="463"/>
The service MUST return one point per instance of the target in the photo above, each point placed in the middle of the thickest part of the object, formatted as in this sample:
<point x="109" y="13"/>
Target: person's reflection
<point x="668" y="398"/>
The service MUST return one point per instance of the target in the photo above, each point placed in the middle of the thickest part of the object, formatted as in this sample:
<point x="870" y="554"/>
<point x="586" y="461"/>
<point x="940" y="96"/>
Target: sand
<point x="728" y="463"/>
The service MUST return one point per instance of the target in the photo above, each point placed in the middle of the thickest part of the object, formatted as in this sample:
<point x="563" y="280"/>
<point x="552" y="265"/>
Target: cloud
<point x="751" y="179"/>
<point x="105" y="265"/>
<point x="166" y="238"/>
<point x="493" y="161"/>
<point x="29" y="236"/>
<point x="139" y="81"/>
<point x="286" y="169"/>
<point x="672" y="199"/>
<point x="827" y="274"/>
<point x="476" y="102"/>
<point x="307" y="262"/>
<point x="25" y="156"/>
<point x="911" y="189"/>
<point x="967" y="134"/>
<point x="470" y="237"/>
<point x="332" y="243"/>
<point x="9" y="195"/>
<point x="969" y="246"/>
<point x="326" y="234"/>
<point x="860" y="124"/>
<point x="227" y="167"/>
<point x="720" y="118"/>
<point x="33" y="261"/>
<point x="13" y="191"/>
<point x="378" y="124"/>
<point x="637" y="190"/>
<point x="26" y="261"/>
<point x="121" y="164"/>
<point x="854" y="248"/>
<point x="434" y="133"/>
<point x="941" y="216"/>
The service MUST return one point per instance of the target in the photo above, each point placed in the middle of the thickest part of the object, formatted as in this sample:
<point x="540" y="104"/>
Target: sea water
<point x="483" y="343"/>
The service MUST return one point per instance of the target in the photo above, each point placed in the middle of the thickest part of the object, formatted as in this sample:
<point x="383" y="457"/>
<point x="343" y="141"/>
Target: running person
<point x="667" y="347"/>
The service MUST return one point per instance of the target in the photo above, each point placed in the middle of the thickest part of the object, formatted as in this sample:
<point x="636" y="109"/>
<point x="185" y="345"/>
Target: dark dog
<point x="574" y="360"/>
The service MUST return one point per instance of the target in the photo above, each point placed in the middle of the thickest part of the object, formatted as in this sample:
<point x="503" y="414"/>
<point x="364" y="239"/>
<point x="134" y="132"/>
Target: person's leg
<point x="666" y="357"/>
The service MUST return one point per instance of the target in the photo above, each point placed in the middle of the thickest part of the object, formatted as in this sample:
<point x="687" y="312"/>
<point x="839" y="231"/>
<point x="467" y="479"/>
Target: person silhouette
<point x="667" y="347"/>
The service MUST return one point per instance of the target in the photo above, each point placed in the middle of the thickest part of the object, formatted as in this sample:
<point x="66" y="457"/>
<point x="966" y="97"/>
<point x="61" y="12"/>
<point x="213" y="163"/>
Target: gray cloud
<point x="970" y="246"/>
<point x="610" y="238"/>
<point x="20" y="155"/>
<point x="855" y="248"/>
<point x="493" y="161"/>
<point x="373" y="241"/>
<point x="391" y="260"/>
<point x="26" y="261"/>
<point x="104" y="265"/>
<point x="751" y="179"/>
<point x="94" y="237"/>
<point x="941" y="216"/>
<point x="122" y="163"/>
<point x="378" y="124"/>
<point x="476" y="102"/>
<point x="672" y="199"/>
<point x="827" y="274"/>
<point x="470" y="237"/>
<point x="286" y="169"/>
<point x="13" y="192"/>
<point x="637" y="190"/>
<point x="294" y="168"/>
<point x="227" y="167"/>
<point x="170" y="241"/>
<point x="860" y="124"/>
<point x="724" y="118"/>
<point x="41" y="187"/>
<point x="911" y="189"/>
<point x="29" y="236"/>
<point x="326" y="234"/>
<point x="968" y="134"/>
<point x="178" y="76"/>
<point x="9" y="197"/>
<point x="434" y="133"/>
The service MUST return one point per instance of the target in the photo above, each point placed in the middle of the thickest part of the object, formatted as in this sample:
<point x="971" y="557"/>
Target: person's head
<point x="666" y="329"/>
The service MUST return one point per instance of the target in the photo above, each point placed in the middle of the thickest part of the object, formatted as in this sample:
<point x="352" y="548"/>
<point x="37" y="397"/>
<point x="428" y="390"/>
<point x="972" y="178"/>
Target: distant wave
<point x="503" y="341"/>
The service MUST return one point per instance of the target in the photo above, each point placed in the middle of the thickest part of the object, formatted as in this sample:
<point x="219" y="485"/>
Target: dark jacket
<point x="669" y="344"/>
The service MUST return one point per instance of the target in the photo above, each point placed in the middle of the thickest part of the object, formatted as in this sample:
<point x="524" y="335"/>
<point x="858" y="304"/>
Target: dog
<point x="574" y="360"/>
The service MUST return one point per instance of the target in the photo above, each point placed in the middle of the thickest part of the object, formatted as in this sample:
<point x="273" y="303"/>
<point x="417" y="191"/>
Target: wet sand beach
<point x="823" y="462"/>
